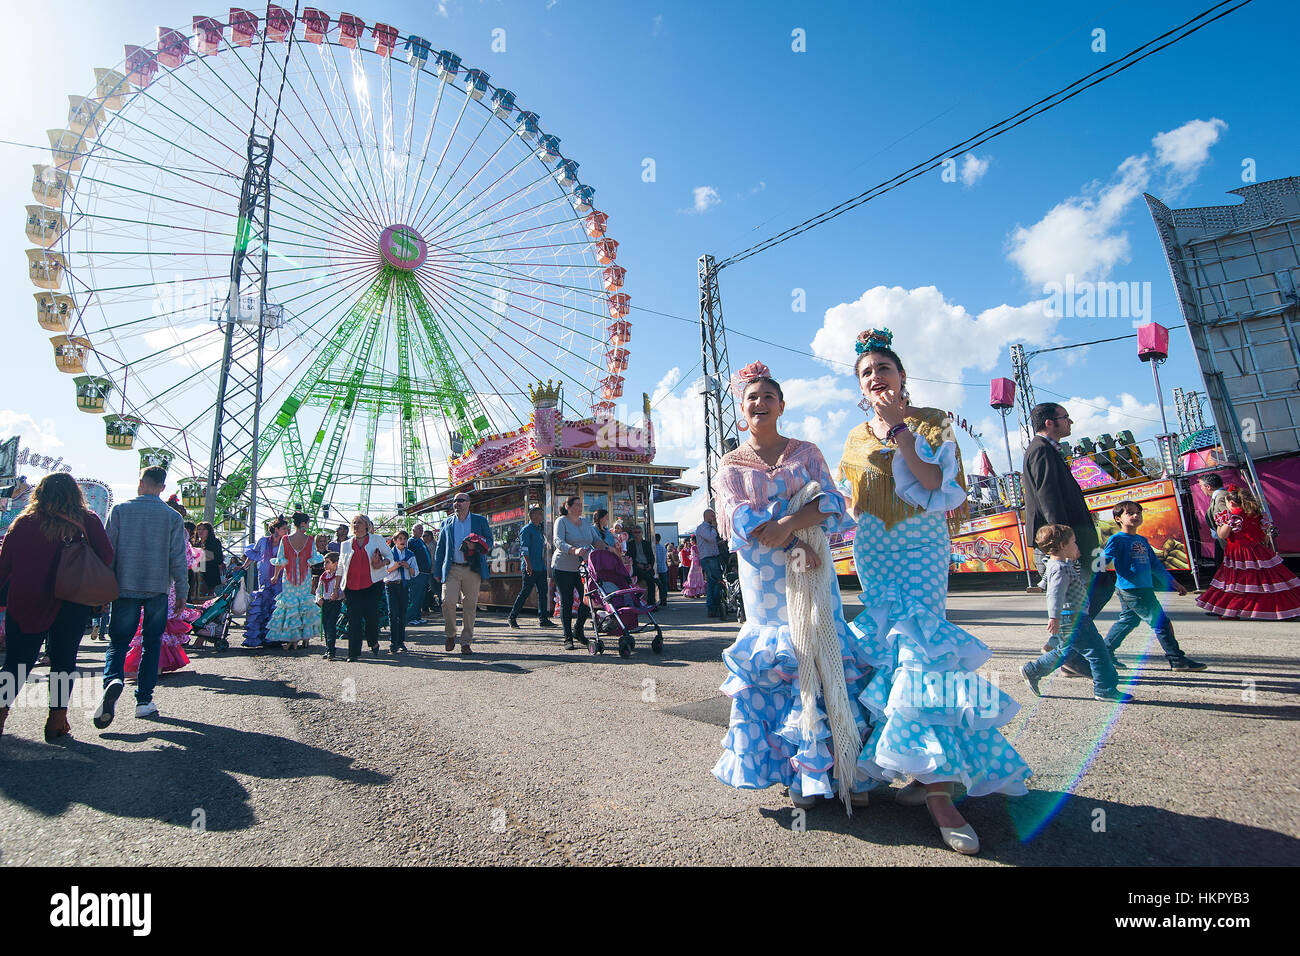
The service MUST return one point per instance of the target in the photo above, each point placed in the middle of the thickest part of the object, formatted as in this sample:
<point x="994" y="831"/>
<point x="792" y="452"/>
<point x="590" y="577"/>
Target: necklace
<point x="769" y="466"/>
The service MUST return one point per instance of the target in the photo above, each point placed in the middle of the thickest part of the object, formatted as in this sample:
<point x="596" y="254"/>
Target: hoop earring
<point x="906" y="396"/>
<point x="864" y="404"/>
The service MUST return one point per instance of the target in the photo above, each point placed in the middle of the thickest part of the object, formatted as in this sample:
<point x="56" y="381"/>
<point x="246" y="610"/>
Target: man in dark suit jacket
<point x="642" y="553"/>
<point x="1052" y="496"/>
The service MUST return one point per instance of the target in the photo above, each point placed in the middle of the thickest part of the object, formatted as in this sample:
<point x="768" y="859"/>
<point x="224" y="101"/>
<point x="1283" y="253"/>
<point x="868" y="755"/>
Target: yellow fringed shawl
<point x="867" y="471"/>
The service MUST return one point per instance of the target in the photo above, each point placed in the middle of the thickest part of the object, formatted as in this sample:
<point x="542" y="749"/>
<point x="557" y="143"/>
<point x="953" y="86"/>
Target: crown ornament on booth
<point x="874" y="339"/>
<point x="550" y="392"/>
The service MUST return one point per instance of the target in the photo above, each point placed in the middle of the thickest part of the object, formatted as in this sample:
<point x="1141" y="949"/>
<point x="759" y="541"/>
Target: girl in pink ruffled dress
<point x="175" y="635"/>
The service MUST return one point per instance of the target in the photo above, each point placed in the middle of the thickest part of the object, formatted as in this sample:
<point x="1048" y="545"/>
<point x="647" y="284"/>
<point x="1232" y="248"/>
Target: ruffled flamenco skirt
<point x="261" y="605"/>
<point x="172" y="656"/>
<point x="765" y="743"/>
<point x="1252" y="583"/>
<point x="695" y="585"/>
<point x="296" y="616"/>
<point x="934" y="719"/>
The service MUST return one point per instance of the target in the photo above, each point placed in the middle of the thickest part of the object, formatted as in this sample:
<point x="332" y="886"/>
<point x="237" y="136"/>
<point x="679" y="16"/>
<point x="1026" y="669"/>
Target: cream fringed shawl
<point x="810" y="598"/>
<point x="867" y="476"/>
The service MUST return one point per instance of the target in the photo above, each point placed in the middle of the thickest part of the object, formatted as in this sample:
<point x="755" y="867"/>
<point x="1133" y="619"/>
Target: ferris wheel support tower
<point x="721" y="433"/>
<point x="239" y="391"/>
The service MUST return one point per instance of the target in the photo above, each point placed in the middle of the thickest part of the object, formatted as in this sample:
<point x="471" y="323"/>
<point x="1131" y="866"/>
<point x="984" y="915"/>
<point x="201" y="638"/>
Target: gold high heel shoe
<point x="962" y="839"/>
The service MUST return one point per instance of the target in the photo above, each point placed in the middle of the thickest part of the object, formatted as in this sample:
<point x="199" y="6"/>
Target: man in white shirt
<point x="706" y="552"/>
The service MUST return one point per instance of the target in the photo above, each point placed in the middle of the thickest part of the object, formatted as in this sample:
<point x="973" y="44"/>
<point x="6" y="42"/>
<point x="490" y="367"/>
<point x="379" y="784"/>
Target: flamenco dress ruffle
<point x="934" y="719"/>
<point x="296" y="616"/>
<point x="260" y="608"/>
<point x="1252" y="583"/>
<point x="695" y="585"/>
<point x="176" y="634"/>
<point x="765" y="743"/>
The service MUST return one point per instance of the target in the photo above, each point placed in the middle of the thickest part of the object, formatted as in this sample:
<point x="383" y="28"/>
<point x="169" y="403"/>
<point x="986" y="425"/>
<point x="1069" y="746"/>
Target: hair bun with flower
<point x="746" y="375"/>
<point x="874" y="339"/>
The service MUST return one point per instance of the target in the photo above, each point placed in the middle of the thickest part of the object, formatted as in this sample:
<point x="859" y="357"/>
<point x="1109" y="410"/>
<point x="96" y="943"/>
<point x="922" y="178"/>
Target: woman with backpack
<point x="55" y="519"/>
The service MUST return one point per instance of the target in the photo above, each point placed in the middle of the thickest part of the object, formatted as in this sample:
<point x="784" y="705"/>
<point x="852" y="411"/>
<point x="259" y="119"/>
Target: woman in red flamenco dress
<point x="1252" y="582"/>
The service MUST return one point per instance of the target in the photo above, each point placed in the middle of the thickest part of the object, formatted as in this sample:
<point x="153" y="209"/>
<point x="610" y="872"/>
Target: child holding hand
<point x="1067" y="618"/>
<point x="1137" y="572"/>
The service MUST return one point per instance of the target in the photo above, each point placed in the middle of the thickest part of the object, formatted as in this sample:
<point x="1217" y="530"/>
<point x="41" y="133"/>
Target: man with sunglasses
<point x="460" y="564"/>
<point x="1052" y="496"/>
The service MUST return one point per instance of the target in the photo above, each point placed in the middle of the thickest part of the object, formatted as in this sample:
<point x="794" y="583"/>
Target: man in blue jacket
<point x="461" y="566"/>
<point x="420" y="583"/>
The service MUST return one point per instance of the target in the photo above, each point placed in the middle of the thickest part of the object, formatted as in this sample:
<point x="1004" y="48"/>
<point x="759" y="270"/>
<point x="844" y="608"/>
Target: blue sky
<point x="748" y="137"/>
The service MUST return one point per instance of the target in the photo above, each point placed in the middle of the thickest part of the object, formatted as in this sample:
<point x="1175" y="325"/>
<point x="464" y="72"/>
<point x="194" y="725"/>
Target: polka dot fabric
<point x="764" y="744"/>
<point x="935" y="720"/>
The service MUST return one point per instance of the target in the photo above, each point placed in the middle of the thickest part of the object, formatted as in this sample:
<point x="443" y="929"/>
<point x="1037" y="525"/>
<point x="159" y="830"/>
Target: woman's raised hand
<point x="889" y="406"/>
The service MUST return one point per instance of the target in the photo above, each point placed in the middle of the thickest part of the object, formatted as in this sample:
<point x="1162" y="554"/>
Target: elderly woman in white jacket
<point x="363" y="564"/>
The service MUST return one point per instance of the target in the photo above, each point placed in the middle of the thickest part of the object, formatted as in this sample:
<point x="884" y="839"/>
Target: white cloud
<point x="936" y="339"/>
<point x="1100" y="414"/>
<point x="678" y="418"/>
<point x="657" y="25"/>
<point x="1077" y="236"/>
<point x="816" y="429"/>
<point x="39" y="436"/>
<point x="1081" y="236"/>
<point x="815" y="393"/>
<point x="706" y="197"/>
<point x="973" y="168"/>
<point x="1186" y="149"/>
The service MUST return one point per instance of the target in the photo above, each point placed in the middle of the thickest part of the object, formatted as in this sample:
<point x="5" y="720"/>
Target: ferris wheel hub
<point x="403" y="248"/>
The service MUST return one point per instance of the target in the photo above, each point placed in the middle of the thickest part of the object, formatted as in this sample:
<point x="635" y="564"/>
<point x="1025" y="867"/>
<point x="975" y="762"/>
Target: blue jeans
<point x="122" y="623"/>
<point x="1141" y="604"/>
<point x="1081" y="637"/>
<point x="713" y="590"/>
<point x="416" y="586"/>
<point x="535" y="580"/>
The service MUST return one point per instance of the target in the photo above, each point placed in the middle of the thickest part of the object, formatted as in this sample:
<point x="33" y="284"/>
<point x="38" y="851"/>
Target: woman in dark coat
<point x="29" y="563"/>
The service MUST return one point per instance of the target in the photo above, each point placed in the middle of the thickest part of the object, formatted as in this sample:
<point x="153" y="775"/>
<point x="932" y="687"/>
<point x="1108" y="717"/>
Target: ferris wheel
<point x="426" y="249"/>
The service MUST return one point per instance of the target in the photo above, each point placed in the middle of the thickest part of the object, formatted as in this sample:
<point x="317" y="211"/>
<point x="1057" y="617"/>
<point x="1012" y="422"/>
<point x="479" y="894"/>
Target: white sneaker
<point x="146" y="710"/>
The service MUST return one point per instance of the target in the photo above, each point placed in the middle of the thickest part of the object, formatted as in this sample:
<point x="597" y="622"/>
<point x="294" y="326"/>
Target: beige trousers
<point x="461" y="585"/>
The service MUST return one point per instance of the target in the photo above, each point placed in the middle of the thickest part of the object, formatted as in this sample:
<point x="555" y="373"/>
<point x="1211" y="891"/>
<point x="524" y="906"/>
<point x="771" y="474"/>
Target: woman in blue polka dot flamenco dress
<point x="935" y="721"/>
<point x="796" y="670"/>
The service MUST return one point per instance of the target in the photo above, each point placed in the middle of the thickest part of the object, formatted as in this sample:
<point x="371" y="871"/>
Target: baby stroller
<point x="214" y="623"/>
<point x="617" y="604"/>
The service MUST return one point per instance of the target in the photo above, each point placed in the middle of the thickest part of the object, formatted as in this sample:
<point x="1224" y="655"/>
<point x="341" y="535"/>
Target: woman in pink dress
<point x="695" y="584"/>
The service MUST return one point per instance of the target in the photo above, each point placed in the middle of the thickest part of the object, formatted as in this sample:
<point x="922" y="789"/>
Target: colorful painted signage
<point x="1161" y="524"/>
<point x="1088" y="473"/>
<point x="991" y="543"/>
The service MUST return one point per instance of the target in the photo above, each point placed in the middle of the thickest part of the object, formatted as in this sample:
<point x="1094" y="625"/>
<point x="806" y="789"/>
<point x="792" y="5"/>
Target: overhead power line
<point x="1114" y="68"/>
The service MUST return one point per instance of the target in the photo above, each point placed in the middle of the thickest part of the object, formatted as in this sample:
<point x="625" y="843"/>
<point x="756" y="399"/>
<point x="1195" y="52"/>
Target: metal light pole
<point x="1002" y="397"/>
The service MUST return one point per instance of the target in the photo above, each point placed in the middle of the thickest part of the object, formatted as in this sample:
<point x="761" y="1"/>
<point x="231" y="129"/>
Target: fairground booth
<point x="545" y="462"/>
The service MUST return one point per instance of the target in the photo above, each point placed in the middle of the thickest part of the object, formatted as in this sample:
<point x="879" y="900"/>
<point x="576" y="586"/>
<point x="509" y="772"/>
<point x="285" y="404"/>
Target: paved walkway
<point x="527" y="753"/>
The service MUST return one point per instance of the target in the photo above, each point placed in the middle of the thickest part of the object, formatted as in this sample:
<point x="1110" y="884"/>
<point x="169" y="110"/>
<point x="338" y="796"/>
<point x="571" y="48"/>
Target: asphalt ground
<point x="525" y="753"/>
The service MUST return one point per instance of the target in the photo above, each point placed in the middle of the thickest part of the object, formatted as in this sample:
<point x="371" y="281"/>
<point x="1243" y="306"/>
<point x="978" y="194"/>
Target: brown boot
<point x="56" y="725"/>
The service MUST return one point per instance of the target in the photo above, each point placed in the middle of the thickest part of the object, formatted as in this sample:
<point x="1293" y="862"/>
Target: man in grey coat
<point x="148" y="540"/>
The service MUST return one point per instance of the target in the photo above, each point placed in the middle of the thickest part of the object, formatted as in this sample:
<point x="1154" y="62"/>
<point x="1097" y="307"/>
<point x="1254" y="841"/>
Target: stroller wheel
<point x="657" y="642"/>
<point x="625" y="645"/>
<point x="221" y="644"/>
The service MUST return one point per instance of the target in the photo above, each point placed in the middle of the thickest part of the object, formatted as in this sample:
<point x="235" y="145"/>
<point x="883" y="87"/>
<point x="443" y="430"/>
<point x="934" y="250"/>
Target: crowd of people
<point x="825" y="706"/>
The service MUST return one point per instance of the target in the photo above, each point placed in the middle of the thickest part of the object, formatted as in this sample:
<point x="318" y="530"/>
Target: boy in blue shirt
<point x="1068" y="619"/>
<point x="1137" y="571"/>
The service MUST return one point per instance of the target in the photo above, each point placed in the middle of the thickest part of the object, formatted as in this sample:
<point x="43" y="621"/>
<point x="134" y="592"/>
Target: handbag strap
<point x="80" y="527"/>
